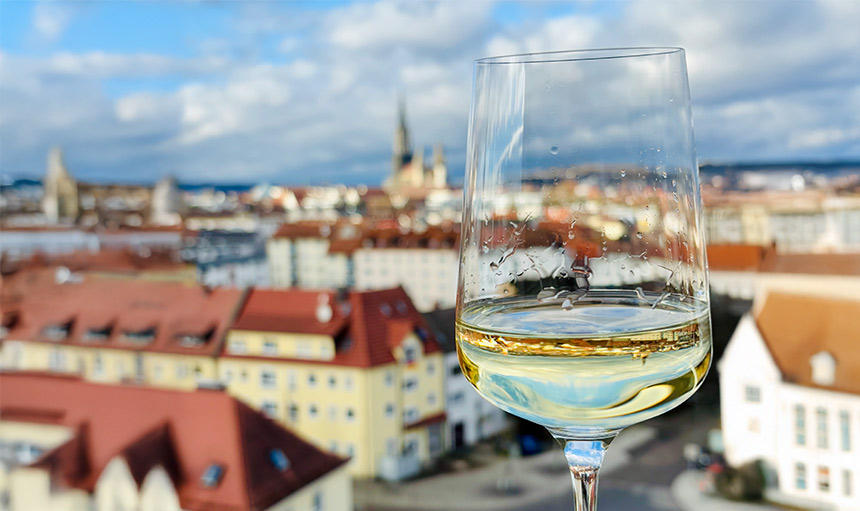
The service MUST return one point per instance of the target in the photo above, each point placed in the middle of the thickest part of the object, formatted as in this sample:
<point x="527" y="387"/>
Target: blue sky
<point x="305" y="92"/>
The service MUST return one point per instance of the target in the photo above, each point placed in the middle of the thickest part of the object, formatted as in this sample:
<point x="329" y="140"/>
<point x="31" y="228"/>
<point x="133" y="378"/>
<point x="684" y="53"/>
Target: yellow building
<point x="359" y="374"/>
<point x="163" y="334"/>
<point x="69" y="444"/>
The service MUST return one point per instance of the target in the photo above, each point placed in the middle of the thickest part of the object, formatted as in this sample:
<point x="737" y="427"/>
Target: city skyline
<point x="306" y="93"/>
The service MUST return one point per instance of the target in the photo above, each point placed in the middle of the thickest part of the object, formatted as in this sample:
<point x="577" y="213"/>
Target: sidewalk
<point x="685" y="491"/>
<point x="534" y="479"/>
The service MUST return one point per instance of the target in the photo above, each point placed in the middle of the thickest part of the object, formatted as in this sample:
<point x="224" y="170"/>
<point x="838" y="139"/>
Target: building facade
<point x="358" y="374"/>
<point x="790" y="397"/>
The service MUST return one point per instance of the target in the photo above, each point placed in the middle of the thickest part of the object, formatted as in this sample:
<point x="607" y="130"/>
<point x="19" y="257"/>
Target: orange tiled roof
<point x="125" y="309"/>
<point x="736" y="257"/>
<point x="796" y="327"/>
<point x="150" y="427"/>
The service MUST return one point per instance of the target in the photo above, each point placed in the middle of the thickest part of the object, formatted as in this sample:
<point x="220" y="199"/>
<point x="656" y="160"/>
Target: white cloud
<point x="50" y="19"/>
<point x="767" y="82"/>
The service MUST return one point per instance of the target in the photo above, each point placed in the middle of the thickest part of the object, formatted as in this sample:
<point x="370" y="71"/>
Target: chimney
<point x="823" y="368"/>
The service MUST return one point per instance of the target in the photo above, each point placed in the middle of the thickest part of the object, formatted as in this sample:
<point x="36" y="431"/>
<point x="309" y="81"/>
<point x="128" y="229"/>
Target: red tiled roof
<point x="149" y="427"/>
<point x="796" y="327"/>
<point x="426" y="421"/>
<point x="731" y="257"/>
<point x="366" y="325"/>
<point x="172" y="309"/>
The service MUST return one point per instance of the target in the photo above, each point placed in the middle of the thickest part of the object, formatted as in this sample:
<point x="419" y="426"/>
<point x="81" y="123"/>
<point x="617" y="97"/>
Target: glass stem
<point x="584" y="458"/>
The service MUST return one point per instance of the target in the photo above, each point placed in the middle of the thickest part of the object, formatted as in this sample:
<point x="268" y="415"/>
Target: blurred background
<point x="229" y="263"/>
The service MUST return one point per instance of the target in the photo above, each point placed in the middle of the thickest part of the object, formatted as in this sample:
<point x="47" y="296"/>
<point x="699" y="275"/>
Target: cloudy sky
<point x="305" y="92"/>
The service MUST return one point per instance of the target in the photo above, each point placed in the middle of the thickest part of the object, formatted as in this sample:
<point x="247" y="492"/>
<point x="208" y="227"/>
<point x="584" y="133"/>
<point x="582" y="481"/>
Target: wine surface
<point x="607" y="362"/>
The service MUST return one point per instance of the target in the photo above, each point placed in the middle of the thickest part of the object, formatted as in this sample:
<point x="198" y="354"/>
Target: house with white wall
<point x="790" y="397"/>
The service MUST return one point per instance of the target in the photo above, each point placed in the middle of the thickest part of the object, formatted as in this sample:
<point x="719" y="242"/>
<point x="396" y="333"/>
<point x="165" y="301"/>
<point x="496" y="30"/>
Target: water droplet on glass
<point x="553" y="150"/>
<point x="546" y="293"/>
<point x="664" y="174"/>
<point x="494" y="266"/>
<point x="639" y="235"/>
<point x="623" y="266"/>
<point x="623" y="173"/>
<point x="505" y="291"/>
<point x="673" y="182"/>
<point x="485" y="249"/>
<point x="658" y="149"/>
<point x="571" y="235"/>
<point x="675" y="196"/>
<point x="671" y="100"/>
<point x="567" y="304"/>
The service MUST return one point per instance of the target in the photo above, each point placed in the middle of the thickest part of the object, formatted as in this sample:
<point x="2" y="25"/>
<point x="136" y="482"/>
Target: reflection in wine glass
<point x="583" y="294"/>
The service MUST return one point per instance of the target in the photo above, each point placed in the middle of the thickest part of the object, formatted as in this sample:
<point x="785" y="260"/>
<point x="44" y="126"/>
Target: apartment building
<point x="359" y="374"/>
<point x="69" y="444"/>
<point x="790" y="396"/>
<point x="163" y="334"/>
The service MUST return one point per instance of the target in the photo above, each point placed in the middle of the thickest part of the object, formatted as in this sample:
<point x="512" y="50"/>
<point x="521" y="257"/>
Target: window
<point x="99" y="368"/>
<point x="347" y="382"/>
<point x="800" y="476"/>
<point x="212" y="475"/>
<point x="318" y="502"/>
<point x="846" y="483"/>
<point x="821" y="427"/>
<point x="350" y="414"/>
<point x="411" y="447"/>
<point x="332" y="413"/>
<point x="391" y="447"/>
<point x="350" y="450"/>
<point x="752" y="394"/>
<point x="389" y="410"/>
<point x="291" y="380"/>
<point x="312" y="380"/>
<point x="304" y="349"/>
<point x="410" y="384"/>
<point x="243" y="376"/>
<point x="410" y="415"/>
<point x="845" y="430"/>
<point x="431" y="368"/>
<point x="312" y="411"/>
<point x="228" y="376"/>
<point x="431" y="399"/>
<point x="270" y="408"/>
<point x="268" y="379"/>
<point x="58" y="360"/>
<point x="455" y="370"/>
<point x="456" y="397"/>
<point x="389" y="378"/>
<point x="799" y="424"/>
<point x="410" y="354"/>
<point x="238" y="346"/>
<point x="294" y="413"/>
<point x="279" y="460"/>
<point x="270" y="348"/>
<point x="332" y="446"/>
<point x="824" y="479"/>
<point x="332" y="381"/>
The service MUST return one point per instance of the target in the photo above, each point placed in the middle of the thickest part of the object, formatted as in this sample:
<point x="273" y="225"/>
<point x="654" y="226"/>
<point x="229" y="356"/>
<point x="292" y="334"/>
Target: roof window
<point x="279" y="459"/>
<point x="401" y="307"/>
<point x="385" y="309"/>
<point x="212" y="475"/>
<point x="140" y="336"/>
<point x="57" y="331"/>
<point x="98" y="333"/>
<point x="823" y="368"/>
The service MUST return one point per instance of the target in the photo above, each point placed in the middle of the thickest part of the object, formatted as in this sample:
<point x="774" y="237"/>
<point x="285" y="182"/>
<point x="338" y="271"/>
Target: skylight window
<point x="279" y="459"/>
<point x="140" y="336"/>
<point x="212" y="475"/>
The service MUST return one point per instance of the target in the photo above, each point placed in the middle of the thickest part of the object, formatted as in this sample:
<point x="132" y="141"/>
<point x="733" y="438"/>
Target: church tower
<point x="439" y="172"/>
<point x="60" y="200"/>
<point x="402" y="150"/>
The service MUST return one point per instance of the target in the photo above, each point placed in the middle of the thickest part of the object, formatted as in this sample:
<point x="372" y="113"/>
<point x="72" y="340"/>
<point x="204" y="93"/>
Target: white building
<point x="790" y="396"/>
<point x="299" y="256"/>
<point x="470" y="417"/>
<point x="21" y="243"/>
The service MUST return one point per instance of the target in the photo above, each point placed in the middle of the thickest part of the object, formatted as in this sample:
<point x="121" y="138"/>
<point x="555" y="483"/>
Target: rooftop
<point x="740" y="257"/>
<point x="797" y="327"/>
<point x="150" y="427"/>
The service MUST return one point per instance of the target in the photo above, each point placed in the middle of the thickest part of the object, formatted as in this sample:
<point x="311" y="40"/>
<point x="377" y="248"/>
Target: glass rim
<point x="580" y="55"/>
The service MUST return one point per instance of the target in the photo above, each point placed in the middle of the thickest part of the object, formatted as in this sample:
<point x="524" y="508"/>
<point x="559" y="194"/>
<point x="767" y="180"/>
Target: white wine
<point x="609" y="361"/>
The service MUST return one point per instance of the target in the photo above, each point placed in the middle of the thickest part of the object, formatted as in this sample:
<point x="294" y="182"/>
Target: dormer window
<point x="410" y="354"/>
<point x="279" y="460"/>
<point x="385" y="309"/>
<point x="193" y="340"/>
<point x="212" y="475"/>
<point x="98" y="333"/>
<point x="823" y="368"/>
<point x="144" y="336"/>
<point x="401" y="307"/>
<point x="58" y="331"/>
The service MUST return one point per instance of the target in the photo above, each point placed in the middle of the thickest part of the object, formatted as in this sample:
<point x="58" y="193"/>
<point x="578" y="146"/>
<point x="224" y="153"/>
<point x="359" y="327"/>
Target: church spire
<point x="402" y="153"/>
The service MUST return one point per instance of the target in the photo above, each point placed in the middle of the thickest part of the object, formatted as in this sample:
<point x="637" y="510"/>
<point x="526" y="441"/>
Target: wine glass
<point x="583" y="291"/>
